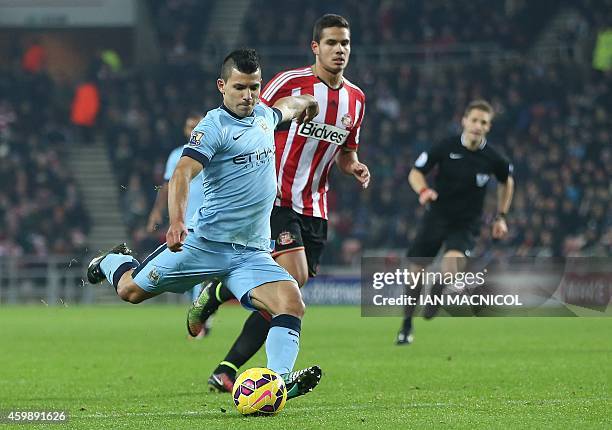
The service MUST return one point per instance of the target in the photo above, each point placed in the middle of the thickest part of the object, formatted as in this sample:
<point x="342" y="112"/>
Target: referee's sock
<point x="407" y="325"/>
<point x="431" y="309"/>
<point x="251" y="339"/>
<point x="409" y="309"/>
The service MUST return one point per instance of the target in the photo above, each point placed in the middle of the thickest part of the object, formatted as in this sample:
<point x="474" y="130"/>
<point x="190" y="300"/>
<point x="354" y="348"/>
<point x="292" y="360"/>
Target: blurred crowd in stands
<point x="509" y="24"/>
<point x="179" y="25"/>
<point x="41" y="210"/>
<point x="553" y="121"/>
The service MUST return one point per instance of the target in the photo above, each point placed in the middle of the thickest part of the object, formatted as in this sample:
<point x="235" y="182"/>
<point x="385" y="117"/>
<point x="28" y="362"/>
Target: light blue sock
<point x="283" y="343"/>
<point x="112" y="262"/>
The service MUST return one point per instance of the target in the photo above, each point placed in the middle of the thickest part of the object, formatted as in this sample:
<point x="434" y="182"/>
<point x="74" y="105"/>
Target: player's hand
<point x="175" y="237"/>
<point x="427" y="196"/>
<point x="500" y="228"/>
<point x="309" y="112"/>
<point x="361" y="173"/>
<point x="155" y="220"/>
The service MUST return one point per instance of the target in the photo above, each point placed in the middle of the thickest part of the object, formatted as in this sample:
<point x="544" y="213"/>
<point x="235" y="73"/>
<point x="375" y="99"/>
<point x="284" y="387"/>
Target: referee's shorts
<point x="436" y="231"/>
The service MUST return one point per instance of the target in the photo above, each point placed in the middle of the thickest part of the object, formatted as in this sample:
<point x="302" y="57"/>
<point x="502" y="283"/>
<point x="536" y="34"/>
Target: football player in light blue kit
<point x="234" y="148"/>
<point x="196" y="193"/>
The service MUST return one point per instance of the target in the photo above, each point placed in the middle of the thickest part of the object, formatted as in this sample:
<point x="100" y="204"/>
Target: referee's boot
<point x="404" y="338"/>
<point x="94" y="272"/>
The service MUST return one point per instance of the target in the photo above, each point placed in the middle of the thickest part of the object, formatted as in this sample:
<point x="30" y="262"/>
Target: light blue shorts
<point x="240" y="269"/>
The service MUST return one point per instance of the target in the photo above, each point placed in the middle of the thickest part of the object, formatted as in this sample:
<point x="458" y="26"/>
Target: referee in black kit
<point x="465" y="164"/>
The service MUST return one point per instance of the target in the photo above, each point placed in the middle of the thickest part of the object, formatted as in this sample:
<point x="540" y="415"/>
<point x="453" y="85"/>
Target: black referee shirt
<point x="462" y="177"/>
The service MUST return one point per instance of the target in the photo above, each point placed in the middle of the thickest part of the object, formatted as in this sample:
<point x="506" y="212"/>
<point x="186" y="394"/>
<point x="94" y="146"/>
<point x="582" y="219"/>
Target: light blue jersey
<point x="196" y="188"/>
<point x="239" y="180"/>
<point x="239" y="175"/>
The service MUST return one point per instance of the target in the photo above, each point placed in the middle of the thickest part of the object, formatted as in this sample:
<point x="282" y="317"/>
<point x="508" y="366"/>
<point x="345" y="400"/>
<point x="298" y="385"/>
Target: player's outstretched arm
<point x="349" y="163"/>
<point x="303" y="108"/>
<point x="417" y="181"/>
<point x="186" y="169"/>
<point x="505" y="191"/>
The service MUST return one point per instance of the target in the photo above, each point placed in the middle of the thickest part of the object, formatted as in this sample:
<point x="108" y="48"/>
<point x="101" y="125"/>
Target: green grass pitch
<point x="132" y="367"/>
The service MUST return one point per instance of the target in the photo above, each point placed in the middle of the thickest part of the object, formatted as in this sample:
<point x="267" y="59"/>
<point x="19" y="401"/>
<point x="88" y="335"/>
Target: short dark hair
<point x="480" y="104"/>
<point x="244" y="60"/>
<point x="326" y="21"/>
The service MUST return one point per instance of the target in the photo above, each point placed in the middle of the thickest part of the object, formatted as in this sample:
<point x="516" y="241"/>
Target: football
<point x="259" y="391"/>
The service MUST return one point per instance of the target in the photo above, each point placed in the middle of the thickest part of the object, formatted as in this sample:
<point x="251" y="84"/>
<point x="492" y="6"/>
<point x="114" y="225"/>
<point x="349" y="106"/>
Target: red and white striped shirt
<point x="306" y="153"/>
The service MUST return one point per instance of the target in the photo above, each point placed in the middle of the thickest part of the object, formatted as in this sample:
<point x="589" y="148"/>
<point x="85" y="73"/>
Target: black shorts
<point x="292" y="231"/>
<point x="436" y="231"/>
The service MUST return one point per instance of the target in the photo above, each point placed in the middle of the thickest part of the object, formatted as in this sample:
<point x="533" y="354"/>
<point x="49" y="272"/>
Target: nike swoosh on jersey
<point x="454" y="156"/>
<point x="239" y="135"/>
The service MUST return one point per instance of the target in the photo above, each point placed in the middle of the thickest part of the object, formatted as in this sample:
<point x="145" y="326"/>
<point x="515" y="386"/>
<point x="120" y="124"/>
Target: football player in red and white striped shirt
<point x="304" y="156"/>
<point x="306" y="153"/>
